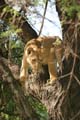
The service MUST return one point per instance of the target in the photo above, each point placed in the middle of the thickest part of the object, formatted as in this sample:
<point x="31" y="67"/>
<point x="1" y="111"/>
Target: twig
<point x="74" y="54"/>
<point x="46" y="4"/>
<point x="74" y="61"/>
<point x="63" y="76"/>
<point x="75" y="116"/>
<point x="78" y="81"/>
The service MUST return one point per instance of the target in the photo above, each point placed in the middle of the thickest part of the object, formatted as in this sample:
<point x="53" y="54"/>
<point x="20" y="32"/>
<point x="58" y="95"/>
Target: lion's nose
<point x="34" y="60"/>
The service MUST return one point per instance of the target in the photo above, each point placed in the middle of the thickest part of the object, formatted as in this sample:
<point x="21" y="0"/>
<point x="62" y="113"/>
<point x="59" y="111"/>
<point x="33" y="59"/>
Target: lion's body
<point x="38" y="52"/>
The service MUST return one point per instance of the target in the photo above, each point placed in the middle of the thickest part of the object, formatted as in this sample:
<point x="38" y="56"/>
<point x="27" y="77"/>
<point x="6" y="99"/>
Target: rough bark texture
<point x="58" y="97"/>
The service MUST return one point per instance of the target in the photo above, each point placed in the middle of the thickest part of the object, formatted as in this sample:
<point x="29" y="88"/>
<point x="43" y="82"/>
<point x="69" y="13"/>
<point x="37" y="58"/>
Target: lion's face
<point x="33" y="57"/>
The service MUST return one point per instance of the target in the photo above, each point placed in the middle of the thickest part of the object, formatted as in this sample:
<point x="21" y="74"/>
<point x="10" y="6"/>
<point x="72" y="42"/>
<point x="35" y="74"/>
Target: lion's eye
<point x="29" y="52"/>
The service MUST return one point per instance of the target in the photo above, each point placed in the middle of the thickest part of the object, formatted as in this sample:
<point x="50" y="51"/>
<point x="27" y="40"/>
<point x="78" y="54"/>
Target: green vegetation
<point x="10" y="42"/>
<point x="70" y="9"/>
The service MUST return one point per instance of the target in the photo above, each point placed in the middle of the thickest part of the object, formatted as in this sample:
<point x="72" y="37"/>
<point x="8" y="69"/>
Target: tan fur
<point x="37" y="52"/>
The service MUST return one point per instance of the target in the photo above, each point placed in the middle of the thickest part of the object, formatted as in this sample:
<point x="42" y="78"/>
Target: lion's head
<point x="33" y="53"/>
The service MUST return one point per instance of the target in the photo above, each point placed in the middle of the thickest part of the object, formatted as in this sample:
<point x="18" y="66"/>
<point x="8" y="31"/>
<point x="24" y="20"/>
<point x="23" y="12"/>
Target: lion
<point x="41" y="51"/>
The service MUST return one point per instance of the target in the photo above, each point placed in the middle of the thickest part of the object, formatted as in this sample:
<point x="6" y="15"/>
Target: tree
<point x="59" y="101"/>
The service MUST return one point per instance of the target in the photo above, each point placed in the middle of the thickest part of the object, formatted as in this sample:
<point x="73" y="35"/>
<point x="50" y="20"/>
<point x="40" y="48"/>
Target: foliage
<point x="12" y="11"/>
<point x="7" y="105"/>
<point x="41" y="111"/>
<point x="70" y="9"/>
<point x="9" y="109"/>
<point x="37" y="2"/>
<point x="10" y="42"/>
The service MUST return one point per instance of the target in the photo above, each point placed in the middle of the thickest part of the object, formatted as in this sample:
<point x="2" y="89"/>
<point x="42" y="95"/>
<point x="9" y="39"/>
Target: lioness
<point x="38" y="52"/>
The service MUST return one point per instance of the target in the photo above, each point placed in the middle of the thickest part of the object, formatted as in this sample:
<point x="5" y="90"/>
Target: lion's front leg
<point x="52" y="66"/>
<point x="52" y="71"/>
<point x="24" y="69"/>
